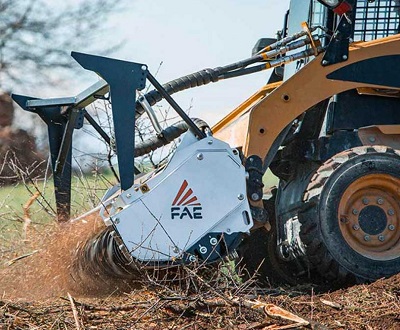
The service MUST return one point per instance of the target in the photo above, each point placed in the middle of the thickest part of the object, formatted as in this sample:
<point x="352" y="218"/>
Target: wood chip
<point x="331" y="304"/>
<point x="74" y="312"/>
<point x="10" y="262"/>
<point x="276" y="311"/>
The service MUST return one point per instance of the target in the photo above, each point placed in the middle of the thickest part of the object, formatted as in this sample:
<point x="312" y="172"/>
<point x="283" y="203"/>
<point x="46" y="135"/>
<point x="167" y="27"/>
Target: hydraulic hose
<point x="268" y="56"/>
<point x="196" y="79"/>
<point x="166" y="136"/>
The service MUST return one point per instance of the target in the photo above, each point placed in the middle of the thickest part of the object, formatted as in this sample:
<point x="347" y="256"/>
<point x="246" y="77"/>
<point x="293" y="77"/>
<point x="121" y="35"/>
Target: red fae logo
<point x="186" y="204"/>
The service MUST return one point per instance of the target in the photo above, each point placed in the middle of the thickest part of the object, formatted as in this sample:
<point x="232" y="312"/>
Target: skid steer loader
<point x="327" y="125"/>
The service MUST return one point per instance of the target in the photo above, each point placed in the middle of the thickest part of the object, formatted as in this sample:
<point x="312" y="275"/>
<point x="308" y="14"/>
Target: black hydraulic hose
<point x="236" y="69"/>
<point x="196" y="79"/>
<point x="166" y="136"/>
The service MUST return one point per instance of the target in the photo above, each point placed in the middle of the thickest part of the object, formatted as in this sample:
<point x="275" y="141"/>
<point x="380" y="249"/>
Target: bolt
<point x="325" y="62"/>
<point x="240" y="197"/>
<point x="380" y="201"/>
<point x="116" y="221"/>
<point x="144" y="68"/>
<point x="356" y="227"/>
<point x="391" y="212"/>
<point x="355" y="211"/>
<point x="255" y="197"/>
<point x="235" y="152"/>
<point x="200" y="156"/>
<point x="391" y="227"/>
<point x="365" y="201"/>
<point x="344" y="57"/>
<point x="203" y="250"/>
<point x="228" y="230"/>
<point x="175" y="249"/>
<point x="344" y="219"/>
<point x="192" y="258"/>
<point x="371" y="139"/>
<point x="367" y="238"/>
<point x="210" y="142"/>
<point x="381" y="238"/>
<point x="213" y="241"/>
<point x="128" y="195"/>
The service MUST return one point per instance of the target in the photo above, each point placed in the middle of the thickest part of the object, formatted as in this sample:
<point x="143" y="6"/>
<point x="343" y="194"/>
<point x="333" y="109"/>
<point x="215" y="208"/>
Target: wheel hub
<point x="369" y="216"/>
<point x="373" y="220"/>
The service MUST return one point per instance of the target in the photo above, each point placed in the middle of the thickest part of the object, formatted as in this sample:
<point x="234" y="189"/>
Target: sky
<point x="187" y="36"/>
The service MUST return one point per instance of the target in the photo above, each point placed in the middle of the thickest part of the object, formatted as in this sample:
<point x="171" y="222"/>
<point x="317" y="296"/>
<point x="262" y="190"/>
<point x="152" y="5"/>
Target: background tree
<point x="36" y="37"/>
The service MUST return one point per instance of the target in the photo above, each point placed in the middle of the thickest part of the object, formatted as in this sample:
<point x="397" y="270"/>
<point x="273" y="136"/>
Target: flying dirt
<point x="333" y="144"/>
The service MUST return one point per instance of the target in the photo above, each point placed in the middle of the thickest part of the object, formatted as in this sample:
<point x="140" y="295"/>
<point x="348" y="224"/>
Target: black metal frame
<point x="375" y="19"/>
<point x="367" y="21"/>
<point x="63" y="115"/>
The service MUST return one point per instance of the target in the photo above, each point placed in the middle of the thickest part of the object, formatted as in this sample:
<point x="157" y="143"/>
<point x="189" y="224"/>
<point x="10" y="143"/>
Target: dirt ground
<point x="39" y="291"/>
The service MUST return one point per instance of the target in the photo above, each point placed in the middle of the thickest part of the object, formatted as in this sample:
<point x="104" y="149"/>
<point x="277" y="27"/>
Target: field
<point x="39" y="289"/>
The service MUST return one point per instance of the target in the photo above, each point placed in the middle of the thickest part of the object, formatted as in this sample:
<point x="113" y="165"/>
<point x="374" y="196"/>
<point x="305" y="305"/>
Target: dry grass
<point x="38" y="290"/>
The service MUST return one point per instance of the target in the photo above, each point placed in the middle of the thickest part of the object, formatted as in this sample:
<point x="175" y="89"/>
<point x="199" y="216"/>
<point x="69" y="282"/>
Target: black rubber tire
<point x="326" y="248"/>
<point x="259" y="259"/>
<point x="258" y="255"/>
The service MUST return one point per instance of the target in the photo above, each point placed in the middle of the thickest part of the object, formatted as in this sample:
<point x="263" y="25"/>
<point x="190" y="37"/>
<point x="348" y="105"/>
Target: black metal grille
<point x="376" y="19"/>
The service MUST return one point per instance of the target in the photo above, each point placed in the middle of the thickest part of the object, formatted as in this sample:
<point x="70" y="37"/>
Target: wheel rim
<point x="369" y="216"/>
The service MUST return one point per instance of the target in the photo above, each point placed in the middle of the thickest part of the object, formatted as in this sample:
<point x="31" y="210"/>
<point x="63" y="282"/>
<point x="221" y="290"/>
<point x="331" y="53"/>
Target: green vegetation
<point x="87" y="191"/>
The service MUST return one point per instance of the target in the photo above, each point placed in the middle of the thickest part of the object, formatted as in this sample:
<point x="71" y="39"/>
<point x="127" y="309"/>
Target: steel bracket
<point x="60" y="127"/>
<point x="338" y="47"/>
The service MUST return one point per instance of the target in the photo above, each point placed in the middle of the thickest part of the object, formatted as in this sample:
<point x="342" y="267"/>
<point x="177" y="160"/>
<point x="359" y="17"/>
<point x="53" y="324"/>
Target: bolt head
<point x="344" y="219"/>
<point x="355" y="211"/>
<point x="203" y="250"/>
<point x="380" y="201"/>
<point x="344" y="57"/>
<point x="372" y="139"/>
<point x="391" y="227"/>
<point x="240" y="197"/>
<point x="365" y="201"/>
<point x="381" y="238"/>
<point x="210" y="142"/>
<point x="175" y="249"/>
<point x="367" y="238"/>
<point x="391" y="212"/>
<point x="116" y="221"/>
<point x="356" y="227"/>
<point x="228" y="230"/>
<point x="213" y="241"/>
<point x="192" y="258"/>
<point x="200" y="156"/>
<point x="255" y="197"/>
<point x="324" y="62"/>
<point x="128" y="195"/>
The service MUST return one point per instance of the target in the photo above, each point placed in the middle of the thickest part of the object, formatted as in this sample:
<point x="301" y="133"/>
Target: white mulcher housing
<point x="192" y="209"/>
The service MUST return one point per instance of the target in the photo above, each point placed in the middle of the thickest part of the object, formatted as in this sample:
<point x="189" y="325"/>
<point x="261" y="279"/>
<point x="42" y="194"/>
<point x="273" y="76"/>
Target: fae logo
<point x="185" y="204"/>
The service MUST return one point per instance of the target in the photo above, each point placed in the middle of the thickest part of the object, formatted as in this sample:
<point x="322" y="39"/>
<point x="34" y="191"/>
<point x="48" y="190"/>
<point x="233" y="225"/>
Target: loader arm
<point x="259" y="121"/>
<point x="377" y="60"/>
